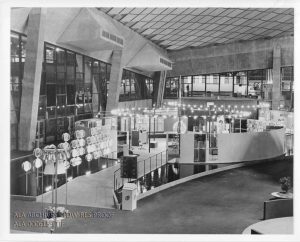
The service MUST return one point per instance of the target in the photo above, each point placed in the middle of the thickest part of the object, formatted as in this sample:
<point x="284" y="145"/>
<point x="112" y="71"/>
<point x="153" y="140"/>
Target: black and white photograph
<point x="163" y="118"/>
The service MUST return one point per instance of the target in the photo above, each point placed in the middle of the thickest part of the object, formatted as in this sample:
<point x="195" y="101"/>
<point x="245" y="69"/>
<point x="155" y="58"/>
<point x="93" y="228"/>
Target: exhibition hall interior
<point x="152" y="120"/>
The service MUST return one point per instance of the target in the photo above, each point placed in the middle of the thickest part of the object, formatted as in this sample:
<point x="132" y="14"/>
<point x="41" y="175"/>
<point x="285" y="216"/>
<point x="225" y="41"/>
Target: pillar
<point x="32" y="78"/>
<point x="114" y="81"/>
<point x="158" y="86"/>
<point x="276" y="92"/>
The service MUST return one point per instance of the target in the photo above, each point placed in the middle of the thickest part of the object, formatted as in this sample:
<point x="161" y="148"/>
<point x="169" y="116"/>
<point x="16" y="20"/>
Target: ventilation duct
<point x="150" y="59"/>
<point x="92" y="32"/>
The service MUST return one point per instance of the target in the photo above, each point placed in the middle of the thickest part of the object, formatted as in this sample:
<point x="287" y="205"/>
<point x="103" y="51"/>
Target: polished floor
<point x="224" y="203"/>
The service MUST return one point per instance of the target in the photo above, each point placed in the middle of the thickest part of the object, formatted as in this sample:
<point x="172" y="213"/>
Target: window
<point x="17" y="61"/>
<point x="186" y="87"/>
<point x="125" y="86"/>
<point x="256" y="80"/>
<point x="287" y="78"/>
<point x="226" y="84"/>
<point x="171" y="87"/>
<point x="149" y="83"/>
<point x="71" y="85"/>
<point x="198" y="87"/>
<point x="254" y="83"/>
<point x="88" y="84"/>
<point x="135" y="86"/>
<point x="212" y="83"/>
<point x="240" y="83"/>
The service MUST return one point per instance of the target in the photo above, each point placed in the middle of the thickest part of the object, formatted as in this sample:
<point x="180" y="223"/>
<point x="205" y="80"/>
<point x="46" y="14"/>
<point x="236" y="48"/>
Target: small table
<point x="282" y="195"/>
<point x="283" y="225"/>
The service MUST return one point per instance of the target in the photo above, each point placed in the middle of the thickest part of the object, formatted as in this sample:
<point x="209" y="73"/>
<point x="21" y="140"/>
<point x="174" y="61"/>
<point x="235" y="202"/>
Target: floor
<point x="224" y="203"/>
<point x="98" y="187"/>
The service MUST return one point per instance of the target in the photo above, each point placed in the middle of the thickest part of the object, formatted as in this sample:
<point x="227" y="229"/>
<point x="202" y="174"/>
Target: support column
<point x="32" y="78"/>
<point x="276" y="92"/>
<point x="114" y="81"/>
<point x="159" y="79"/>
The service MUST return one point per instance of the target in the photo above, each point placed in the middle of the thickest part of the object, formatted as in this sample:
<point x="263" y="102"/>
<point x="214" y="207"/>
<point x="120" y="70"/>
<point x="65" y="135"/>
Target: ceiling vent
<point x="165" y="62"/>
<point x="113" y="38"/>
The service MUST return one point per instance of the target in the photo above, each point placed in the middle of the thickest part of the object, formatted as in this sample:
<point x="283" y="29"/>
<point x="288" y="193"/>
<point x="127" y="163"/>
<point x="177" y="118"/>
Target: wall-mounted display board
<point x="254" y="125"/>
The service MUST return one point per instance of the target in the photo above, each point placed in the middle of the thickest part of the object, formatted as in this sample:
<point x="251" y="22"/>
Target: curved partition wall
<point x="237" y="147"/>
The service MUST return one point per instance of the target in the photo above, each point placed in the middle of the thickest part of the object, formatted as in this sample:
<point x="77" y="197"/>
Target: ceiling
<point x="177" y="28"/>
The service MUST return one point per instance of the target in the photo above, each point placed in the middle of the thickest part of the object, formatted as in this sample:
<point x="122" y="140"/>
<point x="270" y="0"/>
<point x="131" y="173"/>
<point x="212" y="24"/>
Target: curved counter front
<point x="239" y="147"/>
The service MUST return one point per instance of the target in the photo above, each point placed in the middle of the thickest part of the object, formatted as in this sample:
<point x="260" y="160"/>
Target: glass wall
<point x="73" y="87"/>
<point x="226" y="84"/>
<point x="135" y="86"/>
<point x="172" y="87"/>
<point x="212" y="83"/>
<point x="240" y="83"/>
<point x="17" y="61"/>
<point x="198" y="86"/>
<point x="287" y="85"/>
<point x="256" y="82"/>
<point x="252" y="84"/>
<point x="186" y="87"/>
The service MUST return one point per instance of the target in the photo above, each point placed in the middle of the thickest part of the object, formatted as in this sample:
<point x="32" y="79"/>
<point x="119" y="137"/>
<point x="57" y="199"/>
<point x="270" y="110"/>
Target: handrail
<point x="148" y="158"/>
<point x="21" y="157"/>
<point x="17" y="173"/>
<point x="153" y="155"/>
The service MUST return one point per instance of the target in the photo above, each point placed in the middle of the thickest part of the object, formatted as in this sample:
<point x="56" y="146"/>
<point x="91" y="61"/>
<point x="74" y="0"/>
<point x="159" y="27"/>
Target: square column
<point x="276" y="92"/>
<point x="159" y="79"/>
<point x="32" y="79"/>
<point x="114" y="81"/>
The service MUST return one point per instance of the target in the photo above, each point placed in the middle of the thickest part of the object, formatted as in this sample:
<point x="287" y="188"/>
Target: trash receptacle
<point x="129" y="196"/>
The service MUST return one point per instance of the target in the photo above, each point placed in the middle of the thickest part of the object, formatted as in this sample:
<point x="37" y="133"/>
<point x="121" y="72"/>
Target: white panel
<point x="237" y="147"/>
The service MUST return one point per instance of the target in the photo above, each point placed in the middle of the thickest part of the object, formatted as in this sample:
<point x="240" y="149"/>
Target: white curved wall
<point x="236" y="147"/>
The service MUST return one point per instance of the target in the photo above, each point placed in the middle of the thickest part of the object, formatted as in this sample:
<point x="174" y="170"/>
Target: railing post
<point x="166" y="156"/>
<point x="156" y="161"/>
<point x="114" y="182"/>
<point x="150" y="163"/>
<point x="161" y="159"/>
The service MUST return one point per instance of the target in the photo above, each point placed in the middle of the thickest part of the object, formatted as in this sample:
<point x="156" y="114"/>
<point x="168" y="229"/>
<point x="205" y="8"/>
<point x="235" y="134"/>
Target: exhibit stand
<point x="100" y="136"/>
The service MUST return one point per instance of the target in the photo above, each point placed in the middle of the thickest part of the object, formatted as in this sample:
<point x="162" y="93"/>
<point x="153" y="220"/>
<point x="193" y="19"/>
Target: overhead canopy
<point x="92" y="32"/>
<point x="150" y="59"/>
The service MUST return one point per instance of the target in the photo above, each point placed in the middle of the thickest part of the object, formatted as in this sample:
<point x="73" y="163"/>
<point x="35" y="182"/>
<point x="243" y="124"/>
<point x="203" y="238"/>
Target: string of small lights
<point x="170" y="109"/>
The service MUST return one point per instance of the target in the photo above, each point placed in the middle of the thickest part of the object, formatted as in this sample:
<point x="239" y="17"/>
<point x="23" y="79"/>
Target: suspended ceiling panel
<point x="177" y="28"/>
<point x="92" y="32"/>
<point x="154" y="61"/>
